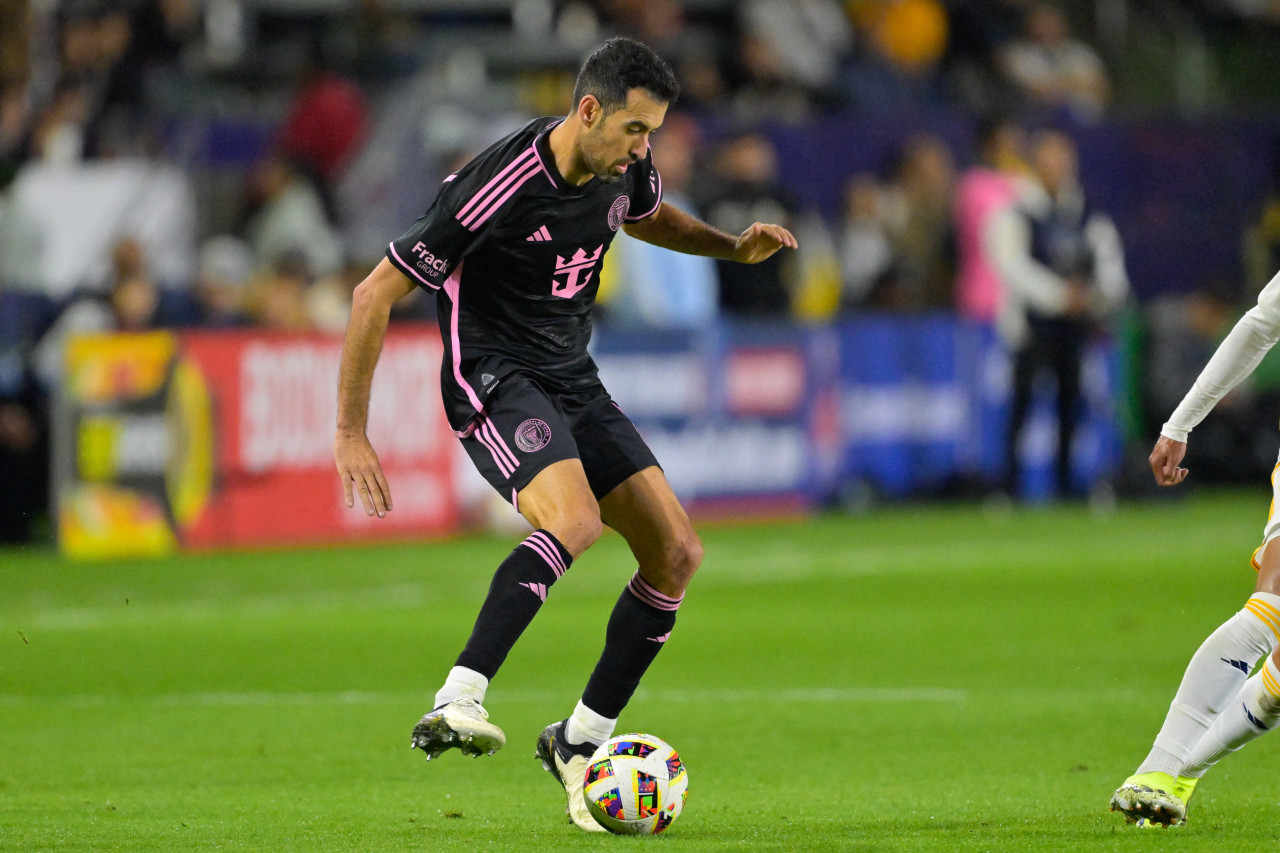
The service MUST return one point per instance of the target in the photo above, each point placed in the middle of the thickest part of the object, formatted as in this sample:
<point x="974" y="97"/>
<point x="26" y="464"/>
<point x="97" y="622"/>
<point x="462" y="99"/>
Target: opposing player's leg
<point x="1255" y="708"/>
<point x="1215" y="682"/>
<point x="525" y="450"/>
<point x="645" y="511"/>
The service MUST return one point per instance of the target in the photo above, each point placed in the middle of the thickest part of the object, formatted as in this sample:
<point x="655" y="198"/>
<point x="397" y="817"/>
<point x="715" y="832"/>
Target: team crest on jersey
<point x="572" y="269"/>
<point x="533" y="435"/>
<point x="618" y="212"/>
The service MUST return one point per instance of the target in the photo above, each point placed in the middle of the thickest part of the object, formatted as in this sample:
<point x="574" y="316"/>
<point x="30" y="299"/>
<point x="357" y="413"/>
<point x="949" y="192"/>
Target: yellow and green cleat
<point x="1154" y="799"/>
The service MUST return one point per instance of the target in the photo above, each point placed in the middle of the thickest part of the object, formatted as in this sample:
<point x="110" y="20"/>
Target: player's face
<point x="616" y="140"/>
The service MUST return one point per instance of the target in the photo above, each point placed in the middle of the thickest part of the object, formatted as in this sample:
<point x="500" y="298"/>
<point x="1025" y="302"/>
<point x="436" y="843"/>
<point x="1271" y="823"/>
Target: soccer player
<point x="511" y="248"/>
<point x="1219" y="707"/>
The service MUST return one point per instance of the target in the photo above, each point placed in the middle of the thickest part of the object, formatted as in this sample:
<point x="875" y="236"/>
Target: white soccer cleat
<point x="462" y="723"/>
<point x="568" y="763"/>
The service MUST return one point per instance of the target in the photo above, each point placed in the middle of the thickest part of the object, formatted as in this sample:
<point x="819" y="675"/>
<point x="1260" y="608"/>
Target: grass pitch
<point x="929" y="679"/>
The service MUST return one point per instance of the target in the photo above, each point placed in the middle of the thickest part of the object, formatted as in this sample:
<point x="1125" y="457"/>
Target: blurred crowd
<point x="279" y="242"/>
<point x="253" y="159"/>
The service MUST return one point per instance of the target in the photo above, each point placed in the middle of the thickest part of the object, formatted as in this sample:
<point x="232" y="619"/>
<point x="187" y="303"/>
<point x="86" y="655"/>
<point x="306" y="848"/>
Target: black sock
<point x="640" y="624"/>
<point x="518" y="590"/>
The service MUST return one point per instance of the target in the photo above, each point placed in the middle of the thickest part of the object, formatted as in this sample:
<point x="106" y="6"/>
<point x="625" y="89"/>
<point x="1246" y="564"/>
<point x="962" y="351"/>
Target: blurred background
<point x="190" y="189"/>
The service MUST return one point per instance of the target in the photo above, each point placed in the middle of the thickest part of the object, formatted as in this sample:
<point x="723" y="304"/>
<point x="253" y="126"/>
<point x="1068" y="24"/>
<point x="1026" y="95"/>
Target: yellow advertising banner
<point x="134" y="448"/>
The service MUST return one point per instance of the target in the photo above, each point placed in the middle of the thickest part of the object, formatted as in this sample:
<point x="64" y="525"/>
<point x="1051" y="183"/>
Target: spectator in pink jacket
<point x="987" y="186"/>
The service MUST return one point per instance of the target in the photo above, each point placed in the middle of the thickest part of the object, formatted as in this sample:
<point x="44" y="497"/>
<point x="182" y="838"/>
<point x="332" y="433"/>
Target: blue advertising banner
<point x="763" y="415"/>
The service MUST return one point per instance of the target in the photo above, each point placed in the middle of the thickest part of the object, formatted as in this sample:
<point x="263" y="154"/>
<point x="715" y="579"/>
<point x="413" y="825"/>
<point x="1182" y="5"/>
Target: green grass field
<point x="919" y="678"/>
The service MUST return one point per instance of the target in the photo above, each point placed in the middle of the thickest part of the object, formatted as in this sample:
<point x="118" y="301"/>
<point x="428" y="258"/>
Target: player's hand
<point x="361" y="472"/>
<point x="760" y="241"/>
<point x="1164" y="461"/>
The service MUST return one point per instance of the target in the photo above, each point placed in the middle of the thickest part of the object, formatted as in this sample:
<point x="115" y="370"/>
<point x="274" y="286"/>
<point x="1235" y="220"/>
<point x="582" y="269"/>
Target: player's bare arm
<point x="672" y="228"/>
<point x="358" y="464"/>
<point x="1165" y="458"/>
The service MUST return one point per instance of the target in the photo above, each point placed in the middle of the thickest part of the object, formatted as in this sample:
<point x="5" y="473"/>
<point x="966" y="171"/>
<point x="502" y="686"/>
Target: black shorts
<point x="524" y="429"/>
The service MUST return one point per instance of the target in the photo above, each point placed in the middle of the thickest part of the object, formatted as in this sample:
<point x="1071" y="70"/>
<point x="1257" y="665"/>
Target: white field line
<point x="837" y="695"/>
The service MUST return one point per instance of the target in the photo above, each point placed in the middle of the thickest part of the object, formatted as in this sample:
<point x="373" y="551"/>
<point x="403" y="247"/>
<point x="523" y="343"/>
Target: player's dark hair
<point x="620" y="65"/>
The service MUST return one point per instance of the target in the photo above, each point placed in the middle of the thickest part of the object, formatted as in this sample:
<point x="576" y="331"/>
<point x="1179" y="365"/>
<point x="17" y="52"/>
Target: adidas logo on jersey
<point x="542" y="235"/>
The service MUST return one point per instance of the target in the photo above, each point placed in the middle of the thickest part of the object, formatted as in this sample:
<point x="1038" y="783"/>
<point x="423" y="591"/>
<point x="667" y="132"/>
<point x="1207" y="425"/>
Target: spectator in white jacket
<point x="1062" y="267"/>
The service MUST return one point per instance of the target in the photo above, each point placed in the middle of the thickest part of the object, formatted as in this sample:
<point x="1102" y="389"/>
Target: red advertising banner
<point x="237" y="429"/>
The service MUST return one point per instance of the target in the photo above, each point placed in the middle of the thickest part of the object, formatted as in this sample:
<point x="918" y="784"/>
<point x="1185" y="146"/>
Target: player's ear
<point x="589" y="110"/>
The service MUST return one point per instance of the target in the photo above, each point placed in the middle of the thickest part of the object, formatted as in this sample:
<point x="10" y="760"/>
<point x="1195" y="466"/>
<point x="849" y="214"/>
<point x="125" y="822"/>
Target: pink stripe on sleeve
<point x="471" y="223"/>
<point x="514" y="165"/>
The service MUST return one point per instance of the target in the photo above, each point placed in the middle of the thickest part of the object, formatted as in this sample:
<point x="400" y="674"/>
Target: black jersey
<point x="513" y="252"/>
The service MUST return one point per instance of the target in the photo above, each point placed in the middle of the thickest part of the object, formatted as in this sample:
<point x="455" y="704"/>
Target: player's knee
<point x="682" y="558"/>
<point x="577" y="530"/>
<point x="692" y="552"/>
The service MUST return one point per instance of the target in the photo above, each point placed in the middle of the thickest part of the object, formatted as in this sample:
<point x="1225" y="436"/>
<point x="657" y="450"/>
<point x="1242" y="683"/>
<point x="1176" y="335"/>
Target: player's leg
<point x="668" y="552"/>
<point x="645" y="511"/>
<point x="559" y="505"/>
<point x="525" y="450"/>
<point x="1254" y="709"/>
<point x="1215" y="676"/>
<point x="635" y="500"/>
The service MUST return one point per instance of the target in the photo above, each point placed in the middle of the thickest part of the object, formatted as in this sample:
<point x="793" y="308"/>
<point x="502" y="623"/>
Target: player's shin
<point x="1255" y="711"/>
<point x="518" y="591"/>
<point x="1214" y="676"/>
<point x="640" y="624"/>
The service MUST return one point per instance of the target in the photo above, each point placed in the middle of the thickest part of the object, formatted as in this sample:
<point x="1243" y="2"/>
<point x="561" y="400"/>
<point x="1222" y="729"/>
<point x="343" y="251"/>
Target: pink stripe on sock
<point x="555" y="547"/>
<point x="642" y="590"/>
<point x="547" y="551"/>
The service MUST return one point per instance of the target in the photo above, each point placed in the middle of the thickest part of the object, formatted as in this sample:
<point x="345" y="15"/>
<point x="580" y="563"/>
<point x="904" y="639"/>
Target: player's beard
<point x="602" y="169"/>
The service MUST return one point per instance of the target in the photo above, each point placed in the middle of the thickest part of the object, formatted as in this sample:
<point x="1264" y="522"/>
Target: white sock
<point x="462" y="683"/>
<point x="586" y="726"/>
<point x="1213" y="677"/>
<point x="1255" y="711"/>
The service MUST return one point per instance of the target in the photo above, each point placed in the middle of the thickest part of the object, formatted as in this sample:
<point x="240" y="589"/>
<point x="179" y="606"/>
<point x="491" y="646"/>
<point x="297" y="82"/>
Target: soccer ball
<point x="635" y="785"/>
